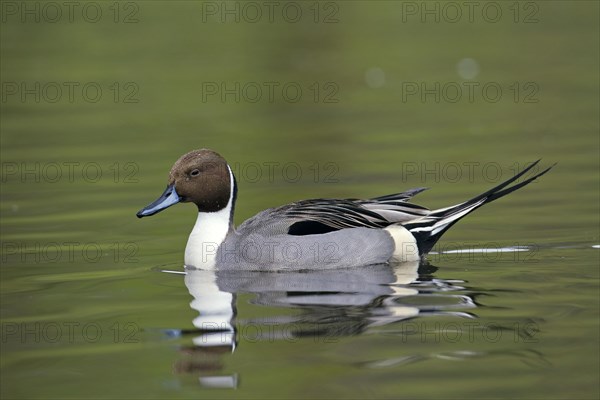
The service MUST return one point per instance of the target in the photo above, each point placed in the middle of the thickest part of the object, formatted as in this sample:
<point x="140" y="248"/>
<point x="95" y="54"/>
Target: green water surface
<point x="364" y="102"/>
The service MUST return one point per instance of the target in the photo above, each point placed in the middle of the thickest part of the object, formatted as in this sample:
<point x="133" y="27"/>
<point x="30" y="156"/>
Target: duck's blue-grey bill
<point x="167" y="199"/>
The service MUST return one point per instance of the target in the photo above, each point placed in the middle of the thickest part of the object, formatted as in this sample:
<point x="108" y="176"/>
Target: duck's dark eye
<point x="195" y="172"/>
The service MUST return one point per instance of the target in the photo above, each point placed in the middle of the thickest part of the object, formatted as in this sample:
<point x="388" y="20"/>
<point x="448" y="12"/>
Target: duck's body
<point x="309" y="234"/>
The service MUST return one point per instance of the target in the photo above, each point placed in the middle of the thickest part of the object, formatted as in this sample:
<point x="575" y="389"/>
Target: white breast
<point x="206" y="237"/>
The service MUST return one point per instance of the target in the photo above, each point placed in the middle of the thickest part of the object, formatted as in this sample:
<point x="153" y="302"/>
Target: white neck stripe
<point x="209" y="232"/>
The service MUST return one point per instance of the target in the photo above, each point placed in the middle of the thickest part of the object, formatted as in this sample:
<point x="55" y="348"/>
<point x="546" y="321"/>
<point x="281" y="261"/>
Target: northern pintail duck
<point x="308" y="234"/>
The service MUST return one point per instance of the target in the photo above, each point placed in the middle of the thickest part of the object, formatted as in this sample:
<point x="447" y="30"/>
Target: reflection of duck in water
<point x="214" y="334"/>
<point x="334" y="303"/>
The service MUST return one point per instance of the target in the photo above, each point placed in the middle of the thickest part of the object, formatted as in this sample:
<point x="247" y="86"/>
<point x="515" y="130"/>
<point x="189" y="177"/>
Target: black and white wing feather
<point x="318" y="216"/>
<point x="326" y="215"/>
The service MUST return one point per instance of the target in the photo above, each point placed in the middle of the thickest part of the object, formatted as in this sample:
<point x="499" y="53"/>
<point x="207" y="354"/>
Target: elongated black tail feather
<point x="428" y="230"/>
